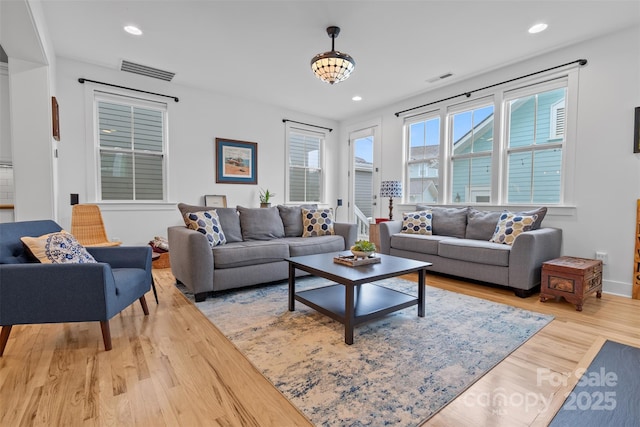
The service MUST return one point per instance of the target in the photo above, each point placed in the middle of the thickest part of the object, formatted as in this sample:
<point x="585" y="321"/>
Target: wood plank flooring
<point x="174" y="368"/>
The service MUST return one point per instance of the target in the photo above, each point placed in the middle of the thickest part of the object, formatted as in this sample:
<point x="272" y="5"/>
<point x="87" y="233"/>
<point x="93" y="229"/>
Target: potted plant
<point x="265" y="196"/>
<point x="363" y="249"/>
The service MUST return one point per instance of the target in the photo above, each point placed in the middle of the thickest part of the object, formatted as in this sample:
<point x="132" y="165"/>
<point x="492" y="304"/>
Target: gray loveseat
<point x="460" y="246"/>
<point x="257" y="243"/>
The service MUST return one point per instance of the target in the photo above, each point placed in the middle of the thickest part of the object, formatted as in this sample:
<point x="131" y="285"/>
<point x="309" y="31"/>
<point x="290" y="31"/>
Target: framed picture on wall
<point x="236" y="162"/>
<point x="636" y="132"/>
<point x="55" y="118"/>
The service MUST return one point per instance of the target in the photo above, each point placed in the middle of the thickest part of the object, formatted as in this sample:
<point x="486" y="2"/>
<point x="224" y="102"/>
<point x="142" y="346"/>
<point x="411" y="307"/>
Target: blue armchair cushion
<point x="57" y="248"/>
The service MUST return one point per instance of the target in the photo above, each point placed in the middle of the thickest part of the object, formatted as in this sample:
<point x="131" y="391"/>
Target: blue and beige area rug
<point x="400" y="370"/>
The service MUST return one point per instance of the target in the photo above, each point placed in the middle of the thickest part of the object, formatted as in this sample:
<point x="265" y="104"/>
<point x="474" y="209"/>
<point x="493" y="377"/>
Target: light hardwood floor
<point x="174" y="368"/>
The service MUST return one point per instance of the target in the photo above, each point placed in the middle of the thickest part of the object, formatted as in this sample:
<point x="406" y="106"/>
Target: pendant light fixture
<point x="332" y="67"/>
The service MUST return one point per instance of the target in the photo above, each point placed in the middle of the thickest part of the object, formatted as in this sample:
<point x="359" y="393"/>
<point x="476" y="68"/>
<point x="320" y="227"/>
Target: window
<point x="131" y="145"/>
<point x="471" y="142"/>
<point x="535" y="142"/>
<point x="513" y="146"/>
<point x="305" y="175"/>
<point x="423" y="159"/>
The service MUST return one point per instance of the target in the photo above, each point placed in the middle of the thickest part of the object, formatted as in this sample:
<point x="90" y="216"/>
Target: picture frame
<point x="55" y="118"/>
<point x="215" y="201"/>
<point x="636" y="132"/>
<point x="236" y="161"/>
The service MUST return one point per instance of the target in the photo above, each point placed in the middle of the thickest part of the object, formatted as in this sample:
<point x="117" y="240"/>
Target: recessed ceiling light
<point x="538" y="28"/>
<point x="357" y="98"/>
<point x="133" y="30"/>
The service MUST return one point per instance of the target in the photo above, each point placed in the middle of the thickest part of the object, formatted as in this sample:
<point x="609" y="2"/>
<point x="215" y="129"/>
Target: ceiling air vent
<point x="438" y="78"/>
<point x="143" y="70"/>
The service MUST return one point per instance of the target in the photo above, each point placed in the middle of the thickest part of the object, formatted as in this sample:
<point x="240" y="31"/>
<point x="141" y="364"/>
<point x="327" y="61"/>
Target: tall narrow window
<point x="471" y="142"/>
<point x="305" y="151"/>
<point x="131" y="146"/>
<point x="423" y="159"/>
<point x="536" y="124"/>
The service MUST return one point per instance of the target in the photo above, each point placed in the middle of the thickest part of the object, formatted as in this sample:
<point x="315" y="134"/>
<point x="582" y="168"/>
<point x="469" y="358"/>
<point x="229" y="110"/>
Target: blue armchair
<point x="31" y="292"/>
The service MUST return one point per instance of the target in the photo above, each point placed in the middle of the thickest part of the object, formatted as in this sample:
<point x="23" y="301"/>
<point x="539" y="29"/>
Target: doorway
<point x="362" y="173"/>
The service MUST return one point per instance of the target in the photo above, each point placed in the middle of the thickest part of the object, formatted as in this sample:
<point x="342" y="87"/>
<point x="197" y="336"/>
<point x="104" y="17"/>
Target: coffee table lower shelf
<point x="370" y="301"/>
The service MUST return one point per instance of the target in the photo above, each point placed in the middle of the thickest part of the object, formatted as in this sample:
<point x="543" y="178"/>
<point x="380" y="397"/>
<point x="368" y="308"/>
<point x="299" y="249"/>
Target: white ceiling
<point x="262" y="49"/>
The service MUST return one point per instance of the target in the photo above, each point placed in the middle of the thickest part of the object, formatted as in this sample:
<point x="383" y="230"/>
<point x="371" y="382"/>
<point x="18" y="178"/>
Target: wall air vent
<point x="144" y="70"/>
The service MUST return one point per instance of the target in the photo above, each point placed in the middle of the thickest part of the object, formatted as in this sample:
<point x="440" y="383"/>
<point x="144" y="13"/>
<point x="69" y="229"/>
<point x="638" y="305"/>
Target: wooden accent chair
<point x="87" y="226"/>
<point x="32" y="292"/>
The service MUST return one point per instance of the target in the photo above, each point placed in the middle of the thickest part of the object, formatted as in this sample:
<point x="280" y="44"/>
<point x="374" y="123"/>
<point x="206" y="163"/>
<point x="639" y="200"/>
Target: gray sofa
<point x="257" y="243"/>
<point x="460" y="246"/>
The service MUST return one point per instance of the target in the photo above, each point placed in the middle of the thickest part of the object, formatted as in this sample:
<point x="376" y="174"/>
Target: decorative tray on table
<point x="352" y="261"/>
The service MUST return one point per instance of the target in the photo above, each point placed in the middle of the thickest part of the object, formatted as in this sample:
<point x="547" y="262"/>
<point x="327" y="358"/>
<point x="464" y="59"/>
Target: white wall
<point x="607" y="179"/>
<point x="194" y="123"/>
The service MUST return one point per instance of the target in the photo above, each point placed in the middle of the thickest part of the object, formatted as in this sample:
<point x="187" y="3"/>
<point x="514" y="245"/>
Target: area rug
<point x="400" y="370"/>
<point x="607" y="392"/>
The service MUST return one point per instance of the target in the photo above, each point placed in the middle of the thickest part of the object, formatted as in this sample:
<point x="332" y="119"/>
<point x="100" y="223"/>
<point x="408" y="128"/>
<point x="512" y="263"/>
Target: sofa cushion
<point x="229" y="219"/>
<point x="447" y="221"/>
<point x="57" y="248"/>
<point x="481" y="224"/>
<point x="292" y="219"/>
<point x="299" y="246"/>
<point x="260" y="223"/>
<point x="207" y="223"/>
<point x="478" y="251"/>
<point x="317" y="222"/>
<point x="417" y="243"/>
<point x="240" y="254"/>
<point x="417" y="222"/>
<point x="510" y="226"/>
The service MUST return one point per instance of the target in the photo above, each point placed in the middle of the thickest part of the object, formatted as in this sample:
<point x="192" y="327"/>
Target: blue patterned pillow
<point x="58" y="248"/>
<point x="207" y="223"/>
<point x="510" y="225"/>
<point x="417" y="222"/>
<point x="317" y="222"/>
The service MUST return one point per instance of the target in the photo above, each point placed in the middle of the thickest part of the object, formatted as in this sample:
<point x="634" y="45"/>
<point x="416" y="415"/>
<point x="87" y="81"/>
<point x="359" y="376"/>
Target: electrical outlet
<point x="602" y="256"/>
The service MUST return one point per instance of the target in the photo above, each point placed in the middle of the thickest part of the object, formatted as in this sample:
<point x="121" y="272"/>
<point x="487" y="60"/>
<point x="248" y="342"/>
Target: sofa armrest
<point x="191" y="259"/>
<point x="348" y="231"/>
<point x="529" y="251"/>
<point x="388" y="229"/>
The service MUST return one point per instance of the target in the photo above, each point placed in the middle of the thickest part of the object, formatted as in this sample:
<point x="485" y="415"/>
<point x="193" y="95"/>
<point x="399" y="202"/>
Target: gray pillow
<point x="447" y="221"/>
<point x="229" y="219"/>
<point x="481" y="224"/>
<point x="260" y="223"/>
<point x="541" y="212"/>
<point x="292" y="218"/>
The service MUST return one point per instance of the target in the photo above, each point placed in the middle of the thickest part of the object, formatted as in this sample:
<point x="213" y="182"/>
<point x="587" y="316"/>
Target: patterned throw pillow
<point x="317" y="222"/>
<point x="207" y="223"/>
<point x="510" y="225"/>
<point x="417" y="222"/>
<point x="58" y="248"/>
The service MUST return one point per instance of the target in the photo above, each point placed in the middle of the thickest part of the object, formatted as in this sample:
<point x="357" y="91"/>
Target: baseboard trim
<point x="621" y="289"/>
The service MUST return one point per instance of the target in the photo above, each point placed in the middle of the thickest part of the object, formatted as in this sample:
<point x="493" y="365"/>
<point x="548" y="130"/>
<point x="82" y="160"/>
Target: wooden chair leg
<point x="143" y="302"/>
<point x="106" y="334"/>
<point x="4" y="337"/>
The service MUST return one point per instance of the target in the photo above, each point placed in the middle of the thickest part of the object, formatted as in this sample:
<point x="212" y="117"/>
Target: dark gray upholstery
<point x="31" y="292"/>
<point x="292" y="219"/>
<point x="260" y="223"/>
<point x="447" y="221"/>
<point x="239" y="254"/>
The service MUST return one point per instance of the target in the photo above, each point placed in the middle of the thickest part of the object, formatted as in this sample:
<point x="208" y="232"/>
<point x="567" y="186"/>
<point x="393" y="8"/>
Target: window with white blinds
<point x="131" y="149"/>
<point x="305" y="172"/>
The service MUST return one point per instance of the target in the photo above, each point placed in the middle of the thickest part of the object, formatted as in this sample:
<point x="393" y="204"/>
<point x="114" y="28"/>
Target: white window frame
<point x="567" y="77"/>
<point x="93" y="95"/>
<point x="311" y="131"/>
<point x="443" y="150"/>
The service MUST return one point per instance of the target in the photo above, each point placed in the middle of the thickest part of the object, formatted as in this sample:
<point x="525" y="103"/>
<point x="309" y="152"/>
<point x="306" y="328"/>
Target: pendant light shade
<point x="334" y="66"/>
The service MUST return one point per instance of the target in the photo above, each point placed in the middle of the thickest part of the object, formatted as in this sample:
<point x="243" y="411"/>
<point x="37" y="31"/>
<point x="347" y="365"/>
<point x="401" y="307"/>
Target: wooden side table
<point x="571" y="278"/>
<point x="374" y="235"/>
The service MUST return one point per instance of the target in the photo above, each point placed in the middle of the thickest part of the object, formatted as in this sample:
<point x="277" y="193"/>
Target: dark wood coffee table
<point x="354" y="299"/>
